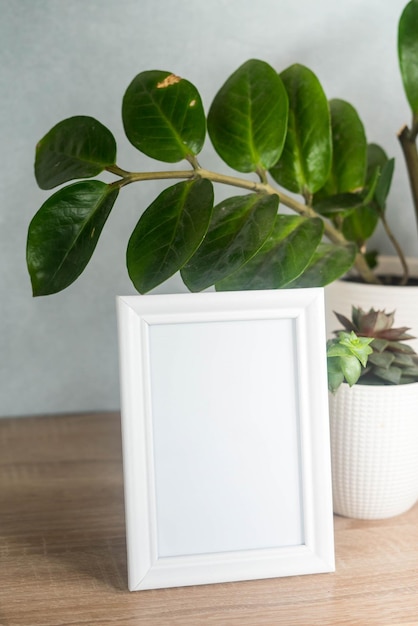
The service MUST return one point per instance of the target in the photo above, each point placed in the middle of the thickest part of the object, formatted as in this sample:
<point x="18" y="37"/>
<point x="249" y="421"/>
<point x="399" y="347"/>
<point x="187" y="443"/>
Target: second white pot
<point x="374" y="450"/>
<point x="341" y="295"/>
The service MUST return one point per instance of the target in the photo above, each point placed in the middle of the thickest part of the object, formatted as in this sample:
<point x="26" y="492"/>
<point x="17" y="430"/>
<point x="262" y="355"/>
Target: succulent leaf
<point x="390" y="375"/>
<point x="382" y="359"/>
<point x="345" y="358"/>
<point x="391" y="361"/>
<point x="348" y="324"/>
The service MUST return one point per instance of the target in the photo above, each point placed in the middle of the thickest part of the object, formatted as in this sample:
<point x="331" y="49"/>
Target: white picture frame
<point x="225" y="436"/>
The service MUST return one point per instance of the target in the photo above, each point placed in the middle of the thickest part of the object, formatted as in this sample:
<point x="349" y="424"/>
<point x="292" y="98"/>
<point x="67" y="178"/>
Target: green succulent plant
<point x="346" y="356"/>
<point x="390" y="360"/>
<point x="280" y="133"/>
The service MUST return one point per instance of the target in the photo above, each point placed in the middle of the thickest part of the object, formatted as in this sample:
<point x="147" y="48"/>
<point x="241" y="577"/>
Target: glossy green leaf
<point x="376" y="159"/>
<point x="306" y="160"/>
<point x="283" y="257"/>
<point x="384" y="183"/>
<point x="341" y="204"/>
<point x="408" y="53"/>
<point x="380" y="171"/>
<point x="238" y="228"/>
<point x="328" y="263"/>
<point x="78" y="147"/>
<point x="360" y="224"/>
<point x="64" y="232"/>
<point x="247" y="121"/>
<point x="169" y="232"/>
<point x="349" y="150"/>
<point x="163" y="116"/>
<point x="372" y="178"/>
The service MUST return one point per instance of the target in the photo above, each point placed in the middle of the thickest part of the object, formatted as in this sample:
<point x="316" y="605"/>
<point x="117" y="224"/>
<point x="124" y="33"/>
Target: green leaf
<point x="64" y="232"/>
<point x="408" y="53"/>
<point x="336" y="349"/>
<point x="169" y="232"/>
<point x="384" y="183"/>
<point x="349" y="150"/>
<point x="78" y="147"/>
<point x="345" y="356"/>
<point x="400" y="346"/>
<point x="328" y="263"/>
<point x="411" y="371"/>
<point x="371" y="258"/>
<point x="335" y="375"/>
<point x="379" y="345"/>
<point x="340" y="204"/>
<point x="360" y="224"/>
<point x="391" y="375"/>
<point x="247" y="120"/>
<point x="376" y="159"/>
<point x="282" y="258"/>
<point x="404" y="360"/>
<point x="344" y="360"/>
<point x="358" y="346"/>
<point x="238" y="228"/>
<point x="163" y="116"/>
<point x="382" y="359"/>
<point x="306" y="160"/>
<point x="351" y="368"/>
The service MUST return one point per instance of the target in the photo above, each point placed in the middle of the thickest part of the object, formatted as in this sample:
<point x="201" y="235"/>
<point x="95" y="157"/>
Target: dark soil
<point x="392" y="281"/>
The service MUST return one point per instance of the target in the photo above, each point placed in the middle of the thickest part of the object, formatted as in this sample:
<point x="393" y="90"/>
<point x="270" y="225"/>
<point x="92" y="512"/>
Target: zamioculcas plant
<point x="280" y="134"/>
<point x="390" y="361"/>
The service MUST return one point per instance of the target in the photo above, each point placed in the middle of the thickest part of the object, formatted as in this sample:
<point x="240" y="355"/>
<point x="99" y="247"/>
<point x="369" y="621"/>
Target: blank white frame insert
<point x="225" y="436"/>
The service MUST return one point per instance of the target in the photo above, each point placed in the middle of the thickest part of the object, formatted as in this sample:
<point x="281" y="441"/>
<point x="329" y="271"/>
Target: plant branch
<point x="256" y="187"/>
<point x="409" y="148"/>
<point x="399" y="252"/>
<point x="126" y="178"/>
<point x="332" y="234"/>
<point x="364" y="270"/>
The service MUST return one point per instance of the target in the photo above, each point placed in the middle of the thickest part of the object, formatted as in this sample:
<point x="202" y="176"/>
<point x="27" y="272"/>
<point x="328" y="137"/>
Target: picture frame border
<point x="305" y="307"/>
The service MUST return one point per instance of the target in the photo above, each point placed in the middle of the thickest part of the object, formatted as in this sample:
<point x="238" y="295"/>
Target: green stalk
<point x="407" y="139"/>
<point x="332" y="234"/>
<point x="399" y="251"/>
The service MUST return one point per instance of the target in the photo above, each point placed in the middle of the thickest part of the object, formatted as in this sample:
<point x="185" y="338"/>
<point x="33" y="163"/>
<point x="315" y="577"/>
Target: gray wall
<point x="61" y="58"/>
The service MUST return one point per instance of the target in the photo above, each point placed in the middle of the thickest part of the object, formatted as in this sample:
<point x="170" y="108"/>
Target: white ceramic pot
<point x="374" y="450"/>
<point x="341" y="295"/>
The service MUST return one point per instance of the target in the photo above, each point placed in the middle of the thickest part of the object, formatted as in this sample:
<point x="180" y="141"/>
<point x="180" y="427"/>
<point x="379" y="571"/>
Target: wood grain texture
<point x="63" y="562"/>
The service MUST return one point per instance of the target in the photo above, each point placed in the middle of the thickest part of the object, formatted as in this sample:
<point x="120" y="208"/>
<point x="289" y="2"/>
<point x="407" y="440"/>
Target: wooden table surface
<point x="63" y="562"/>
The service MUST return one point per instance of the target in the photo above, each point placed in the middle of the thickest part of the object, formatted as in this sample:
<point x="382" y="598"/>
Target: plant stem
<point x="133" y="177"/>
<point x="332" y="234"/>
<point x="364" y="270"/>
<point x="407" y="139"/>
<point x="399" y="252"/>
